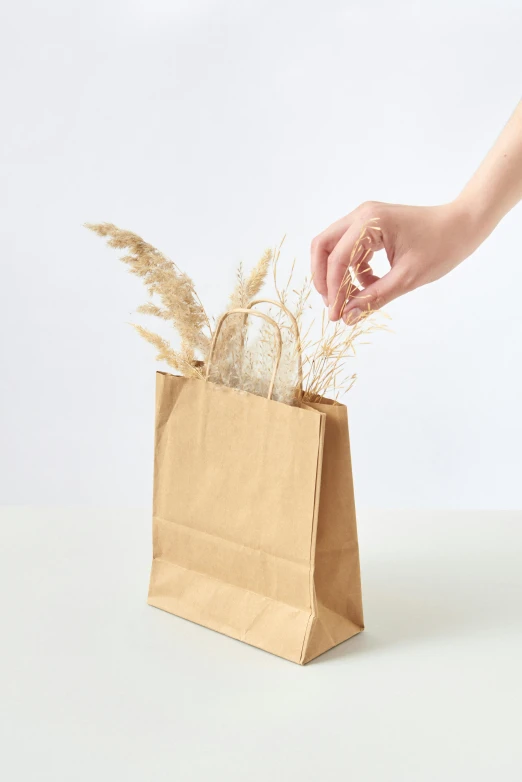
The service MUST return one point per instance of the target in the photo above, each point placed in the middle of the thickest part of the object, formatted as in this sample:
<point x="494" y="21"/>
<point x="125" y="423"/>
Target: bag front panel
<point x="235" y="487"/>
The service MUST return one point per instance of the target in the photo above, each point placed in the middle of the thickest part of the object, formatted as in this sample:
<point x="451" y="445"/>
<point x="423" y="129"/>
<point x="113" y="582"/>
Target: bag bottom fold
<point x="293" y="633"/>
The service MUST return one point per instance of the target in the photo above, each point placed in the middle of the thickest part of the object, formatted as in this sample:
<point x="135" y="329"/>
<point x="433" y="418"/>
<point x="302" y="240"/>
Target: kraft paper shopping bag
<point x="254" y="529"/>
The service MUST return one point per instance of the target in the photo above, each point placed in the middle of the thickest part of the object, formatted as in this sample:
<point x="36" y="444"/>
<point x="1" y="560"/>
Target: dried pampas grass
<point x="228" y="366"/>
<point x="244" y="358"/>
<point x="180" y="303"/>
<point x="181" y="361"/>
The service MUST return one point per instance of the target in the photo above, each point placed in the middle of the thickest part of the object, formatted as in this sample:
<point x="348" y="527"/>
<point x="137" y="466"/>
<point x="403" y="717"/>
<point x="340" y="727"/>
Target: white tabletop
<point x="99" y="686"/>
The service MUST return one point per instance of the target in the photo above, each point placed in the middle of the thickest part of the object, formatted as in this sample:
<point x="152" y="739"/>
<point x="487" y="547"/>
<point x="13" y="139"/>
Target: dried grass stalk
<point x="257" y="362"/>
<point x="324" y="358"/>
<point x="324" y="364"/>
<point x="163" y="279"/>
<point x="152" y="309"/>
<point x="229" y="362"/>
<point x="177" y="360"/>
<point x="257" y="276"/>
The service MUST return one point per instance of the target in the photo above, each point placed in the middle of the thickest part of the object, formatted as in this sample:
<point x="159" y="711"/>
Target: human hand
<point x="423" y="243"/>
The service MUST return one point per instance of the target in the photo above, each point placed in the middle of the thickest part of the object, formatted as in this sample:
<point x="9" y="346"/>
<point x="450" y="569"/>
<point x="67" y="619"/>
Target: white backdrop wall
<point x="213" y="128"/>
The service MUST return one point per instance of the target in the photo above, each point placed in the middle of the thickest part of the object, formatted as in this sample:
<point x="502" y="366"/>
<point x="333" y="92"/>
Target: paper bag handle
<point x="246" y="312"/>
<point x="295" y="328"/>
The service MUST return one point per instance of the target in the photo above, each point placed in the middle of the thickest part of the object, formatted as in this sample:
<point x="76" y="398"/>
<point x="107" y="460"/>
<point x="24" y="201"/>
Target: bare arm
<point x="423" y="243"/>
<point x="496" y="187"/>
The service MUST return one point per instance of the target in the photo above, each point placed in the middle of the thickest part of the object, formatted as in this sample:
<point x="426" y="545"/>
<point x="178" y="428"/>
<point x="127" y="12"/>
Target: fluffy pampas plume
<point x="228" y="365"/>
<point x="175" y="290"/>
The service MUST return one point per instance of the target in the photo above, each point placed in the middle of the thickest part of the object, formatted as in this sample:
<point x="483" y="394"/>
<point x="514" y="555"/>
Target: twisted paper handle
<point x="295" y="328"/>
<point x="246" y="312"/>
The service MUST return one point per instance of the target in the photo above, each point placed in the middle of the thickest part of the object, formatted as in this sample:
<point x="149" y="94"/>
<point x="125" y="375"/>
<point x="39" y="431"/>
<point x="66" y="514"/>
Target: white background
<point x="213" y="128"/>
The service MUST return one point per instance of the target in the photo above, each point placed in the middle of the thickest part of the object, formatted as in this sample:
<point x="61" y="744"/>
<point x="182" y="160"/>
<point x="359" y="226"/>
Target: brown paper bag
<point x="254" y="530"/>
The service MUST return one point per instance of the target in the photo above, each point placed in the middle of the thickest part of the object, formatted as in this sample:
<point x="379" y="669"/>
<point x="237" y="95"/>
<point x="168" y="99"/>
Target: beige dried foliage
<point x="325" y="355"/>
<point x="248" y="288"/>
<point x="257" y="277"/>
<point x="248" y="363"/>
<point x="243" y="358"/>
<point x="324" y="371"/>
<point x="228" y="365"/>
<point x="338" y="344"/>
<point x="261" y="359"/>
<point x="175" y="289"/>
<point x="177" y="360"/>
<point x="152" y="309"/>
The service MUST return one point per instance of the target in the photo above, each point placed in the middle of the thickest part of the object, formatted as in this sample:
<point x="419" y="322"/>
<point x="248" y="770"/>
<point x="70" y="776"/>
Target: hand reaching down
<point x="422" y="243"/>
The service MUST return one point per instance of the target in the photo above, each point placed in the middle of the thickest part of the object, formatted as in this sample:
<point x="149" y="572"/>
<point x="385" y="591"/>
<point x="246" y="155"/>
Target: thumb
<point x="375" y="296"/>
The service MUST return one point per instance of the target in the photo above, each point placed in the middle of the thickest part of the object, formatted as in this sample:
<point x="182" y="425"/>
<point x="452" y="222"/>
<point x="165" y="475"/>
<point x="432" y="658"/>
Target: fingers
<point x="322" y="246"/>
<point x="349" y="262"/>
<point x="358" y="300"/>
<point x="377" y="295"/>
<point x="362" y="270"/>
<point x="341" y="258"/>
<point x="319" y="266"/>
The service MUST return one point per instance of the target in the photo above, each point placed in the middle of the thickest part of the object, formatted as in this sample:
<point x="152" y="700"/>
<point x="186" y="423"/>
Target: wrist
<point x="478" y="214"/>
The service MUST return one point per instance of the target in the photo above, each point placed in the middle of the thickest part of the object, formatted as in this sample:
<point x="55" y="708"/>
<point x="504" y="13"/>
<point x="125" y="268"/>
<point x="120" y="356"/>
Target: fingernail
<point x="325" y="299"/>
<point x="352" y="316"/>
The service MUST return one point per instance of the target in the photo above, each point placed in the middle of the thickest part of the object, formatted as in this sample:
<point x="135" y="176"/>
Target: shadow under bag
<point x="254" y="528"/>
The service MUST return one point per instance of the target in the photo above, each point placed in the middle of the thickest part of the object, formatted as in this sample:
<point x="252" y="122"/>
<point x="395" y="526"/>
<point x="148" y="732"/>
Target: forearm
<point x="496" y="187"/>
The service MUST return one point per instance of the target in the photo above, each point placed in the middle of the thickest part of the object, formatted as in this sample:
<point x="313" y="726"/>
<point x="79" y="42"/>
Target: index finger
<point x="350" y="260"/>
<point x="322" y="246"/>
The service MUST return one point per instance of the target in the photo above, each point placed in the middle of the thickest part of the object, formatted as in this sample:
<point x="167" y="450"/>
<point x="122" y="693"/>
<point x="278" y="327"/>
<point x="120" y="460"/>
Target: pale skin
<point x="422" y="243"/>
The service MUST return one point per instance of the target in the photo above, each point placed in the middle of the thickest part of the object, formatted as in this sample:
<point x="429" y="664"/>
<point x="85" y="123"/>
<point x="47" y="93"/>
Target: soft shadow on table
<point x="416" y="600"/>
